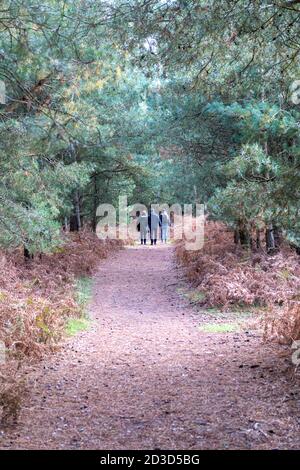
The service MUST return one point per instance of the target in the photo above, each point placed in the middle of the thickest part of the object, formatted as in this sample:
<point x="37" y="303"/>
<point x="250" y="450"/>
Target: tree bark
<point x="273" y="238"/>
<point x="77" y="209"/>
<point x="258" y="242"/>
<point x="66" y="225"/>
<point x="95" y="204"/>
<point x="27" y="254"/>
<point x="270" y="240"/>
<point x="73" y="223"/>
<point x="277" y="236"/>
<point x="236" y="237"/>
<point x="75" y="219"/>
<point x="244" y="237"/>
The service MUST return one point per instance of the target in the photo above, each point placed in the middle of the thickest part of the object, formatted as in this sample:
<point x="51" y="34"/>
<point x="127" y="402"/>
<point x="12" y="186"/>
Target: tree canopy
<point x="172" y="101"/>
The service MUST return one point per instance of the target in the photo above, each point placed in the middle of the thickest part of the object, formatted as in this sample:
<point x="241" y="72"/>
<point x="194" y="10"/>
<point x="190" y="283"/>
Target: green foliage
<point x="83" y="295"/>
<point x="246" y="198"/>
<point x="219" y="327"/>
<point x="72" y="122"/>
<point x="262" y="183"/>
<point x="176" y="101"/>
<point x="83" y="289"/>
<point x="76" y="325"/>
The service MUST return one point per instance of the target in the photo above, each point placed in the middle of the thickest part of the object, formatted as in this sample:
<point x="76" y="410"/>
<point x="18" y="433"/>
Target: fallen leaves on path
<point x="145" y="376"/>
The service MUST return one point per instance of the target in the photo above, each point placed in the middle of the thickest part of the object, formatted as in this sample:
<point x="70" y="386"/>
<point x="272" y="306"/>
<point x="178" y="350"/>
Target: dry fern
<point x="228" y="275"/>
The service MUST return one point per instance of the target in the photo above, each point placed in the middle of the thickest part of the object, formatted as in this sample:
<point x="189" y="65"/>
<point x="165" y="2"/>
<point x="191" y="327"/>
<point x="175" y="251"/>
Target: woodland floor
<point x="144" y="375"/>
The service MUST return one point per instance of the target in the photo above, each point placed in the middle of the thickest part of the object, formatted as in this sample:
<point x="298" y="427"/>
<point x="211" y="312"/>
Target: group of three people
<point x="152" y="223"/>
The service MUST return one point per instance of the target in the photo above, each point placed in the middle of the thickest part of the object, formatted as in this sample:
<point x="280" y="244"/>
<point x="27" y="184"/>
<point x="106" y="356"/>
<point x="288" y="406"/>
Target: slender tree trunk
<point x="277" y="236"/>
<point x="273" y="238"/>
<point x="73" y="223"/>
<point x="236" y="236"/>
<point x="95" y="205"/>
<point x="195" y="193"/>
<point x="244" y="237"/>
<point x="270" y="240"/>
<point x="251" y="242"/>
<point x="75" y="219"/>
<point x="258" y="242"/>
<point x="77" y="209"/>
<point x="27" y="254"/>
<point x="66" y="225"/>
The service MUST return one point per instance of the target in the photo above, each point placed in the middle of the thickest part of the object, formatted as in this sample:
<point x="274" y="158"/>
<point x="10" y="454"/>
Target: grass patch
<point x="83" y="289"/>
<point x="214" y="310"/>
<point x="193" y="295"/>
<point x="196" y="296"/>
<point x="219" y="327"/>
<point x="83" y="295"/>
<point x="237" y="312"/>
<point x="75" y="325"/>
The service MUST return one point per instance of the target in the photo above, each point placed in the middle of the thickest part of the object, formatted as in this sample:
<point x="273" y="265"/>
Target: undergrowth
<point x="83" y="295"/>
<point x="219" y="327"/>
<point x="75" y="325"/>
<point x="41" y="301"/>
<point x="228" y="277"/>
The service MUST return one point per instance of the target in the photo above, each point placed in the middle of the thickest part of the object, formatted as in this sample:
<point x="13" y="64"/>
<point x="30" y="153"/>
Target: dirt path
<point x="145" y="377"/>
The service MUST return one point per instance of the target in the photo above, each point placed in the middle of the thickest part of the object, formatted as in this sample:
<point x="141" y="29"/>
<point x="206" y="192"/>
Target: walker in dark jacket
<point x="142" y="222"/>
<point x="153" y="223"/>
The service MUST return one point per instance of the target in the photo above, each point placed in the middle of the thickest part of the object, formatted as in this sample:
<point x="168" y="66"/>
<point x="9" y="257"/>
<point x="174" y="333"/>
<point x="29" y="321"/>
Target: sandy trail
<point x="145" y="377"/>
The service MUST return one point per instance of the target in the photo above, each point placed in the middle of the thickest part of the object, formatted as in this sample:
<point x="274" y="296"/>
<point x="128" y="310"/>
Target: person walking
<point x="153" y="222"/>
<point x="160" y="223"/>
<point x="142" y="222"/>
<point x="165" y="223"/>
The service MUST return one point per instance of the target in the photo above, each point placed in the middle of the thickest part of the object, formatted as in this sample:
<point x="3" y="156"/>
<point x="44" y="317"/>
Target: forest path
<point x="145" y="377"/>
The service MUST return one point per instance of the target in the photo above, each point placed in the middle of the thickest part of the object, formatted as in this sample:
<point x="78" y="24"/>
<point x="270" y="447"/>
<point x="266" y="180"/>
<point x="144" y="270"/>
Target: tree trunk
<point x="236" y="236"/>
<point x="95" y="205"/>
<point x="270" y="240"/>
<point x="73" y="223"/>
<point x="65" y="226"/>
<point x="75" y="219"/>
<point x="251" y="242"/>
<point x="277" y="236"/>
<point x="258" y="242"/>
<point x="77" y="209"/>
<point x="244" y="237"/>
<point x="27" y="254"/>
